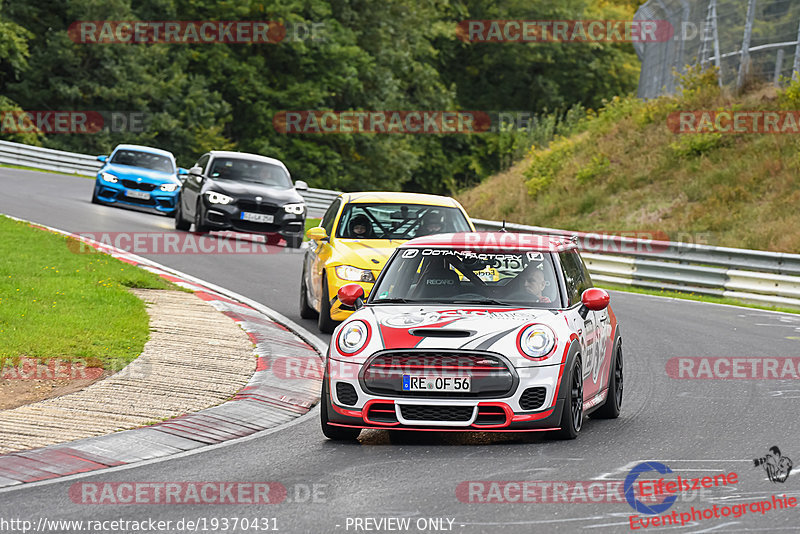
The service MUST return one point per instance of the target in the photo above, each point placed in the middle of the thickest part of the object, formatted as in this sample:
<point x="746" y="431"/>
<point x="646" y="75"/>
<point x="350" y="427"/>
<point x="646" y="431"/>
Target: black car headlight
<point x="218" y="198"/>
<point x="297" y="209"/>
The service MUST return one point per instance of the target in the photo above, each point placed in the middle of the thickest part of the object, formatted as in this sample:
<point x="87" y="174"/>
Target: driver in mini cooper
<point x="534" y="283"/>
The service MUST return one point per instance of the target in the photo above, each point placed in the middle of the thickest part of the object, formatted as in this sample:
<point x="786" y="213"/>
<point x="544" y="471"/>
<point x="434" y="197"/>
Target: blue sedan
<point x="139" y="176"/>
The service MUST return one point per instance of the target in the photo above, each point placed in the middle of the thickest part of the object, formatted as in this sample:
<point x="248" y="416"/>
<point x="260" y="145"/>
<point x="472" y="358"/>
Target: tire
<point x="180" y="222"/>
<point x="199" y="227"/>
<point x="572" y="413"/>
<point x="95" y="200"/>
<point x="611" y="407"/>
<point x="324" y="322"/>
<point x="335" y="433"/>
<point x="294" y="241"/>
<point x="306" y="311"/>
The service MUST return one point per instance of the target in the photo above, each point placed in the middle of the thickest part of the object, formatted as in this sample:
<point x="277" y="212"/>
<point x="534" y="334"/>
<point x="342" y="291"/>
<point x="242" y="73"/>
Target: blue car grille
<point x="141" y="186"/>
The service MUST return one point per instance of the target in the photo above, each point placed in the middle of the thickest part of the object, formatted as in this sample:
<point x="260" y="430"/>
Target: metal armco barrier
<point x="48" y="159"/>
<point x="756" y="276"/>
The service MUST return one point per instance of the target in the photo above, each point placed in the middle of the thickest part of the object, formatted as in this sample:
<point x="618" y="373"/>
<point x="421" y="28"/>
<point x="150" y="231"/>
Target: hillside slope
<point x="625" y="170"/>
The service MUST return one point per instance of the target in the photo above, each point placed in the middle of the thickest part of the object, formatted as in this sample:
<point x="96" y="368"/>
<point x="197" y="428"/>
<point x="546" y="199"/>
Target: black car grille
<point x="437" y="413"/>
<point x="490" y="375"/>
<point x="257" y="207"/>
<point x="346" y="393"/>
<point x="532" y="398"/>
<point x="141" y="186"/>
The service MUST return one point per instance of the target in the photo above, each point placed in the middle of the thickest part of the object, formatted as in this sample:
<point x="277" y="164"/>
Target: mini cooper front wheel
<point x="572" y="412"/>
<point x="611" y="407"/>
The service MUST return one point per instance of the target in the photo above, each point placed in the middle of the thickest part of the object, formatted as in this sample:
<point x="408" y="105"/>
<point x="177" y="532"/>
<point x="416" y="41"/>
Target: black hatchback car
<point x="242" y="192"/>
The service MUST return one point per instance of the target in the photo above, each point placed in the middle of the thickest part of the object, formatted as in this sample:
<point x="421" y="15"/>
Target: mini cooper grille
<point x="381" y="412"/>
<point x="257" y="207"/>
<point x="437" y="413"/>
<point x="489" y="374"/>
<point x="130" y="184"/>
<point x="532" y="398"/>
<point x="490" y="416"/>
<point x="346" y="393"/>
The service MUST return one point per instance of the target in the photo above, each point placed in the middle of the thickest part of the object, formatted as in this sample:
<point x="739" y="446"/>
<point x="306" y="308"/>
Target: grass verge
<point x="58" y="304"/>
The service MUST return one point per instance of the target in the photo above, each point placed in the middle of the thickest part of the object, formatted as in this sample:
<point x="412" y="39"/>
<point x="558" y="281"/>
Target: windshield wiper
<point x="393" y="301"/>
<point x="479" y="301"/>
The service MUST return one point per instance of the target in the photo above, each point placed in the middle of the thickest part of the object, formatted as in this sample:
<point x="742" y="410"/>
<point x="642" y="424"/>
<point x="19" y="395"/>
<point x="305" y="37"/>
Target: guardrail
<point x="761" y="277"/>
<point x="48" y="159"/>
<point x="317" y="200"/>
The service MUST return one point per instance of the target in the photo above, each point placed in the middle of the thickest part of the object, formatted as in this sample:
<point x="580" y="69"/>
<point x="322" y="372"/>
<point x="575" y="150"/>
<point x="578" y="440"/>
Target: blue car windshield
<point x="145" y="160"/>
<point x="245" y="170"/>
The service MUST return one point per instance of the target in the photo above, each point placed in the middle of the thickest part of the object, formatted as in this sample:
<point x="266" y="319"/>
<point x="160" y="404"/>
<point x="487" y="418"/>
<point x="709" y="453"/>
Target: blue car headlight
<point x="108" y="177"/>
<point x="169" y="188"/>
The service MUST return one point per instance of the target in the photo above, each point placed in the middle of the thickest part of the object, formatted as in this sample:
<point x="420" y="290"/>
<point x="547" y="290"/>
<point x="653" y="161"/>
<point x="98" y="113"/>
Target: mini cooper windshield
<point x="245" y="170"/>
<point x="440" y="275"/>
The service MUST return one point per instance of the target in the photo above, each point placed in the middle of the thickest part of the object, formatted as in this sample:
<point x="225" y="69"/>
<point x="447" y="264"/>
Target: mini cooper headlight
<point x="169" y="188"/>
<point x="354" y="274"/>
<point x="536" y="341"/>
<point x="218" y="198"/>
<point x="108" y="177"/>
<point x="353" y="337"/>
<point x="297" y="209"/>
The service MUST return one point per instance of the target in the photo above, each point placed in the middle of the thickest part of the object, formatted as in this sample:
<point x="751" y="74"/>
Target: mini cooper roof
<point x="493" y="241"/>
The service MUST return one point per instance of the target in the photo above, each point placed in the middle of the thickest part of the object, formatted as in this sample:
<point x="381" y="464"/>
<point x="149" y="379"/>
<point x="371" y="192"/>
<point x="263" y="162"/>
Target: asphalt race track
<point x="696" y="427"/>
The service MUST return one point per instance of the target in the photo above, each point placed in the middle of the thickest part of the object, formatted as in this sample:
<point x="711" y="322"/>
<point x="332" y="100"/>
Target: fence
<point x="761" y="277"/>
<point x="742" y="38"/>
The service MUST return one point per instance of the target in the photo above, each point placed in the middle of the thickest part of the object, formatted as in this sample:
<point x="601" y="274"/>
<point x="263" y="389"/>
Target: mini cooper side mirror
<point x="351" y="296"/>
<point x="594" y="299"/>
<point x="317" y="233"/>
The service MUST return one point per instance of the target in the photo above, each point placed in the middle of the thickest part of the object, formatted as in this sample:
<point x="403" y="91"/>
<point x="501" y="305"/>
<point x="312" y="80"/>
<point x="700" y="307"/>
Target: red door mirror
<point x="350" y="293"/>
<point x="595" y="299"/>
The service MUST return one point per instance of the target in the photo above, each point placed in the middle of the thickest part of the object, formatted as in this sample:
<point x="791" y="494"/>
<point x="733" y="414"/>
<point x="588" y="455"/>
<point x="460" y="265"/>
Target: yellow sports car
<point x="356" y="236"/>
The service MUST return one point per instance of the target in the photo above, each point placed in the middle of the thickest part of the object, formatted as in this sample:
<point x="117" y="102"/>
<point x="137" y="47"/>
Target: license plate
<point x="436" y="383"/>
<point x="142" y="195"/>
<point x="257" y="217"/>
